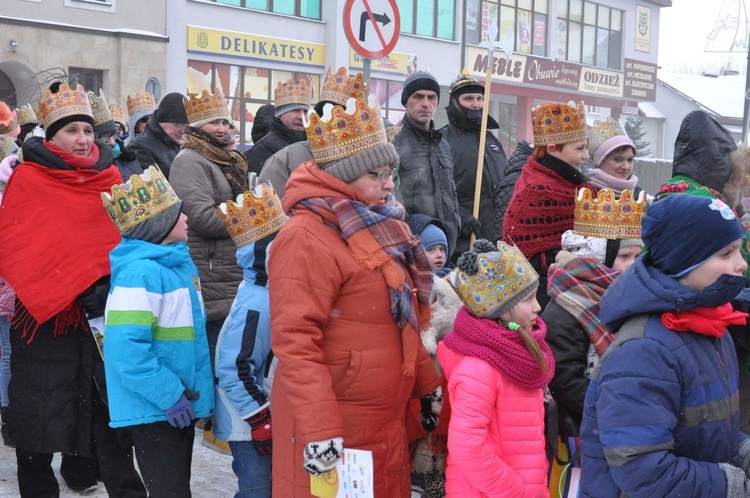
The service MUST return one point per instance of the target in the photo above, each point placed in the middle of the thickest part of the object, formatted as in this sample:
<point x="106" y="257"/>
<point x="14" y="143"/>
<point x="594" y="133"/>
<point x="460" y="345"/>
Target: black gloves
<point x="94" y="298"/>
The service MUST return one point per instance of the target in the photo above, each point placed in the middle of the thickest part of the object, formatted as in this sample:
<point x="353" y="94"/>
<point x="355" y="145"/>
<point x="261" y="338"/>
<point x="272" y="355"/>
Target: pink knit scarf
<point x="502" y="348"/>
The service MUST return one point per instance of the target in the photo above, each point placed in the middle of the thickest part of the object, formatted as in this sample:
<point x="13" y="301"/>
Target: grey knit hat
<point x="421" y="80"/>
<point x="350" y="168"/>
<point x="156" y="228"/>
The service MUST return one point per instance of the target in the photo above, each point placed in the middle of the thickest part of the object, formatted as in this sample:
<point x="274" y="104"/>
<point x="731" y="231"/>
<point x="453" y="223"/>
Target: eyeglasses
<point x="384" y="175"/>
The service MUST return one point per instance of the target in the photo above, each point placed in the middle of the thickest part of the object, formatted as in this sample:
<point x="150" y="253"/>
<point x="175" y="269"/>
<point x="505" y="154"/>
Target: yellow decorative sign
<point x="393" y="63"/>
<point x="247" y="46"/>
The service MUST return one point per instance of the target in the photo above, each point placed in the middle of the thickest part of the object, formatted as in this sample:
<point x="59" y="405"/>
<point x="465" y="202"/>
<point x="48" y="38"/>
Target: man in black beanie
<point x="426" y="169"/>
<point x="160" y="141"/>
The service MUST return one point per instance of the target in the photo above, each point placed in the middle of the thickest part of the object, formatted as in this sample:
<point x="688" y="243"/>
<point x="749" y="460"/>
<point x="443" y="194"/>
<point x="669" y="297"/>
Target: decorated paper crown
<point x="66" y="102"/>
<point x="463" y="80"/>
<point x="119" y="115"/>
<point x="607" y="217"/>
<point x="293" y="93"/>
<point x="99" y="107"/>
<point x="344" y="134"/>
<point x="8" y="147"/>
<point x="256" y="214"/>
<point x="601" y="136"/>
<point x="141" y="198"/>
<point x="26" y="115"/>
<point x="339" y="87"/>
<point x="496" y="281"/>
<point x="140" y="103"/>
<point x="206" y="107"/>
<point x="569" y="126"/>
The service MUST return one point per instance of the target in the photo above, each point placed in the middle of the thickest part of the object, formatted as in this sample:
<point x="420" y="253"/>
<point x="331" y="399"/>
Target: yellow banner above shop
<point x="393" y="63"/>
<point x="247" y="46"/>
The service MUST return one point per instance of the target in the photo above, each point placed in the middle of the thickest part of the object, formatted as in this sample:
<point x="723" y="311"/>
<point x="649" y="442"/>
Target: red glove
<point x="260" y="425"/>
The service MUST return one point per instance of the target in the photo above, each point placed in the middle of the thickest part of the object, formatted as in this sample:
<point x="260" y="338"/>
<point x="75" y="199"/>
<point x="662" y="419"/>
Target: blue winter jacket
<point x="155" y="342"/>
<point x="243" y="348"/>
<point x="662" y="408"/>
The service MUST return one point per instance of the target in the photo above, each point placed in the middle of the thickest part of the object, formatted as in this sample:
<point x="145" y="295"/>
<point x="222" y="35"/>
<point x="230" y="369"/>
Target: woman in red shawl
<point x="543" y="201"/>
<point x="55" y="239"/>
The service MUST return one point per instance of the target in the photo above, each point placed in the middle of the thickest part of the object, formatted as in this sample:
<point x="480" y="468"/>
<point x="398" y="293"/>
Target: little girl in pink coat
<point x="497" y="364"/>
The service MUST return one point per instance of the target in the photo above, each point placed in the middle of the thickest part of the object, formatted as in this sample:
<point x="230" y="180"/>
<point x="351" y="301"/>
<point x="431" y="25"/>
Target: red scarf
<point x="76" y="162"/>
<point x="55" y="235"/>
<point x="711" y="322"/>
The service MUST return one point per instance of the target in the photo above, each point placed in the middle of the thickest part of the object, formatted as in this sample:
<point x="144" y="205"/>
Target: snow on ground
<point x="212" y="475"/>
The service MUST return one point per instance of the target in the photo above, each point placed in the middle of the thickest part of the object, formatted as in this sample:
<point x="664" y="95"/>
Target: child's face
<point x="179" y="231"/>
<point x="436" y="256"/>
<point x="524" y="313"/>
<point x="574" y="153"/>
<point x="625" y="258"/>
<point x="728" y="260"/>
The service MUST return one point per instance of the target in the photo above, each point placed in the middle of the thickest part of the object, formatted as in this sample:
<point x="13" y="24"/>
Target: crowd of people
<point x="338" y="288"/>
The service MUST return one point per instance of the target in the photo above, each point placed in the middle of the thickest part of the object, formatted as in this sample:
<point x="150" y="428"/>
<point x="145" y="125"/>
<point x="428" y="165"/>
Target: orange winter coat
<point x="339" y="350"/>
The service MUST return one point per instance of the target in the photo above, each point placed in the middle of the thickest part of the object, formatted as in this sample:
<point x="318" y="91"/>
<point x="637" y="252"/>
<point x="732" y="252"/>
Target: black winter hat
<point x="262" y="123"/>
<point x="421" y="80"/>
<point x="171" y="109"/>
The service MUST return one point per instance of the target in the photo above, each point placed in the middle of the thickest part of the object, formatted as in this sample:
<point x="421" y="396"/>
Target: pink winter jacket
<point x="496" y="432"/>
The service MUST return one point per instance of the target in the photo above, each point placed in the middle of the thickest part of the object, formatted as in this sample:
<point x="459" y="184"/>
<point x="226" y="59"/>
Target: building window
<point x="90" y="79"/>
<point x="100" y="5"/>
<point x="433" y="18"/>
<point x="589" y="33"/>
<point x="527" y="18"/>
<point x="300" y="8"/>
<point x="245" y="89"/>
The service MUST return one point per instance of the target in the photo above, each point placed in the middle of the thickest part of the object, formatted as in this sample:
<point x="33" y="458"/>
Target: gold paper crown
<point x="119" y="115"/>
<point x="607" y="217"/>
<point x="462" y="80"/>
<point x="567" y="127"/>
<point x="8" y="147"/>
<point x="293" y="93"/>
<point x="344" y="135"/>
<point x="141" y="198"/>
<point x="66" y="102"/>
<point x="99" y="107"/>
<point x="206" y="107"/>
<point x="502" y="277"/>
<point x="339" y="87"/>
<point x="140" y="103"/>
<point x="256" y="214"/>
<point x="26" y="115"/>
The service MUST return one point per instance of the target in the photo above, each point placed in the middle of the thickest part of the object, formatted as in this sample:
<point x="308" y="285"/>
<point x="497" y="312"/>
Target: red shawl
<point x="540" y="211"/>
<point x="55" y="235"/>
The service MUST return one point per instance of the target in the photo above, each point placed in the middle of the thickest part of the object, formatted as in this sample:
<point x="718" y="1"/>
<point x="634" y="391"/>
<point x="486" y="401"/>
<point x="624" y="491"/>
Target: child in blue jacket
<point x="156" y="356"/>
<point x="243" y="350"/>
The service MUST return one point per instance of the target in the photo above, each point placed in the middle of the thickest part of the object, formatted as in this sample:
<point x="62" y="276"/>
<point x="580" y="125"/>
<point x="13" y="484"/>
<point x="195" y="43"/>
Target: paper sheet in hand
<point x="351" y="478"/>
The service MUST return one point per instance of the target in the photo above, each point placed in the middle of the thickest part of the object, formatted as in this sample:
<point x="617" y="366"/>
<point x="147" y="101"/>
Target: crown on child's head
<point x="339" y="87"/>
<point x="99" y="107"/>
<point x="607" y="217"/>
<point x="206" y="107"/>
<point x="66" y="102"/>
<point x="293" y="93"/>
<point x="140" y="198"/>
<point x="256" y="214"/>
<point x="140" y="103"/>
<point x="344" y="134"/>
<point x="26" y="115"/>
<point x="567" y="127"/>
<point x="491" y="280"/>
<point x="119" y="115"/>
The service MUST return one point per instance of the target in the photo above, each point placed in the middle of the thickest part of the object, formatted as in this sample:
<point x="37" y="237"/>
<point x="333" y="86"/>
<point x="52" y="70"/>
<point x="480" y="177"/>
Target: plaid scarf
<point x="578" y="287"/>
<point x="378" y="238"/>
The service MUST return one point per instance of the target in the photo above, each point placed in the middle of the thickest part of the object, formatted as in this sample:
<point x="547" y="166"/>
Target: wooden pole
<point x="482" y="140"/>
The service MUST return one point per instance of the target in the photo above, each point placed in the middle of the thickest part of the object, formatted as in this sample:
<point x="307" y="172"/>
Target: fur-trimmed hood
<point x="444" y="303"/>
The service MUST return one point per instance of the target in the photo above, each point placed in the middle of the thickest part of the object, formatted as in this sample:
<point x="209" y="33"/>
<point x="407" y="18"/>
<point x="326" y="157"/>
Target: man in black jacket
<point x="426" y="168"/>
<point x="292" y="101"/>
<point x="160" y="141"/>
<point x="462" y="132"/>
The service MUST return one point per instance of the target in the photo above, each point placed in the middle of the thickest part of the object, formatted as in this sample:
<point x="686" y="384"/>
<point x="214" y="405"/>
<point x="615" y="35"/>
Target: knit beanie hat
<point x="350" y="168"/>
<point x="171" y="109"/>
<point x="156" y="228"/>
<point x="584" y="246"/>
<point x="420" y="80"/>
<point x="106" y="128"/>
<point x="492" y="280"/>
<point x="431" y="236"/>
<point x="262" y="123"/>
<point x="682" y="231"/>
<point x="631" y="242"/>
